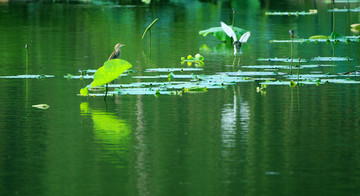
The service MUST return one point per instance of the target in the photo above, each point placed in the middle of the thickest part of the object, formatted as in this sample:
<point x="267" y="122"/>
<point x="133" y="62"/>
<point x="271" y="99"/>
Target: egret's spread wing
<point x="228" y="31"/>
<point x="245" y="37"/>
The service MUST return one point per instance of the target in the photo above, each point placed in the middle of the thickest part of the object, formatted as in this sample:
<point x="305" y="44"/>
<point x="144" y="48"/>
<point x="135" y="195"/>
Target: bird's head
<point x="118" y="46"/>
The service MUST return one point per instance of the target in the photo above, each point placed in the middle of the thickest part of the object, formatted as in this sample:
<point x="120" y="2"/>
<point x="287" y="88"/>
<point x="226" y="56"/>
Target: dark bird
<point x="116" y="54"/>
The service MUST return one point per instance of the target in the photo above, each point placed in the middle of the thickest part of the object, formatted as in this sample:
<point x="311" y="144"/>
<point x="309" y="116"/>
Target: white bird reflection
<point x="235" y="121"/>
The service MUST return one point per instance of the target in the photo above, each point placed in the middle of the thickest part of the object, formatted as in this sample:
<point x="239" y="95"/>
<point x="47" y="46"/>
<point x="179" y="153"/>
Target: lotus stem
<point x="106" y="91"/>
<point x="26" y="58"/>
<point x="291" y="48"/>
<point x="150" y="43"/>
<point x="233" y="18"/>
<point x="333" y="23"/>
<point x="291" y="56"/>
<point x="298" y="71"/>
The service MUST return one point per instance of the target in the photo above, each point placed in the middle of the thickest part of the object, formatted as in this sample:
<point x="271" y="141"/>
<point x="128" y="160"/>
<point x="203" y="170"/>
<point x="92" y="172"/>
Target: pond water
<point x="229" y="141"/>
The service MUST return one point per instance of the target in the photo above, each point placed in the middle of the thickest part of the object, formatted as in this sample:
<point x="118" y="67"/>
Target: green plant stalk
<point x="291" y="54"/>
<point x="232" y="26"/>
<point x="106" y="91"/>
<point x="26" y="59"/>
<point x="233" y="19"/>
<point x="298" y="72"/>
<point x="333" y="6"/>
<point x="150" y="43"/>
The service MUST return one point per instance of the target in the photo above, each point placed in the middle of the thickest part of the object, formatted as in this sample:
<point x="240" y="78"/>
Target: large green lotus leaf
<point x="337" y="36"/>
<point x="220" y="34"/>
<point x="110" y="71"/>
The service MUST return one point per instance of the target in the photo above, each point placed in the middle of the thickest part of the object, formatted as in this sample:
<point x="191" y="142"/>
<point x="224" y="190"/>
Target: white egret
<point x="237" y="44"/>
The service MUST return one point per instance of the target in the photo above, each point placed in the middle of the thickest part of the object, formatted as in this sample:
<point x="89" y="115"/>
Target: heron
<point x="114" y="55"/>
<point x="237" y="44"/>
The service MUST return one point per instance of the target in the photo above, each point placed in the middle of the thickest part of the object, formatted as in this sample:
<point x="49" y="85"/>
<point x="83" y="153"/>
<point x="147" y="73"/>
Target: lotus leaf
<point x="110" y="71"/>
<point x="337" y="36"/>
<point x="220" y="34"/>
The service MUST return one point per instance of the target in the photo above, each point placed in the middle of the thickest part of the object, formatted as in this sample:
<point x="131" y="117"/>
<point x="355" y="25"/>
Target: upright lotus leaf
<point x="220" y="34"/>
<point x="337" y="36"/>
<point x="110" y="71"/>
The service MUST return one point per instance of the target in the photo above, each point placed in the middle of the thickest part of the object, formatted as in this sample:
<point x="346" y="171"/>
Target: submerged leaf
<point x="110" y="71"/>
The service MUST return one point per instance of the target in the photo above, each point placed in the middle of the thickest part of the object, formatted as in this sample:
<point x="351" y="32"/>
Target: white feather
<point x="245" y="37"/>
<point x="228" y="31"/>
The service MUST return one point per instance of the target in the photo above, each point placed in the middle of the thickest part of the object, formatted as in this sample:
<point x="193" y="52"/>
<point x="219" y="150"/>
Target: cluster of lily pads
<point x="314" y="77"/>
<point x="177" y="81"/>
<point x="158" y="81"/>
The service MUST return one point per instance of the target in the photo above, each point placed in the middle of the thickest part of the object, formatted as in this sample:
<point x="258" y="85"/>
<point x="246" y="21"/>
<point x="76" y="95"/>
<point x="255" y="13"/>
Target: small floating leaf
<point x="41" y="106"/>
<point x="319" y="37"/>
<point x="69" y="76"/>
<point x="84" y="91"/>
<point x="292" y="84"/>
<point x="196" y="88"/>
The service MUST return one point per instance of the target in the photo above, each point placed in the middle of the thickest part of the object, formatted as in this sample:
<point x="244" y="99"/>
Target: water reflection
<point x="234" y="116"/>
<point x="112" y="133"/>
<point x="143" y="178"/>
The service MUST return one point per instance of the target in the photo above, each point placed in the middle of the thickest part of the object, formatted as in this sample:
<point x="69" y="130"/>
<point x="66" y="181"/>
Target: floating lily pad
<point x="342" y="81"/>
<point x="166" y="76"/>
<point x="313" y="40"/>
<point x="330" y="59"/>
<point x="320" y="37"/>
<point x="144" y="91"/>
<point x="301" y="13"/>
<point x="70" y="76"/>
<point x="281" y="60"/>
<point x="343" y="1"/>
<point x="173" y="69"/>
<point x="345" y="10"/>
<point x="267" y="66"/>
<point x="290" y="83"/>
<point x="91" y="71"/>
<point x="42" y="76"/>
<point x="252" y="73"/>
<point x="310" y="76"/>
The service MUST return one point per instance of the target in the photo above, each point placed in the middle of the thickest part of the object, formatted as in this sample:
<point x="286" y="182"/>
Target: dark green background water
<point x="234" y="141"/>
